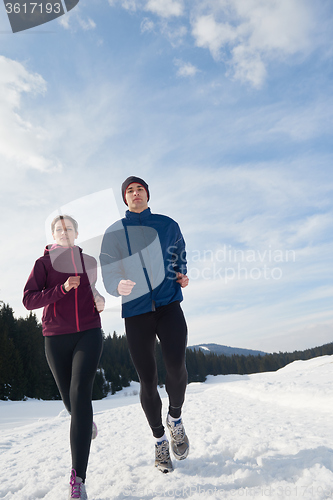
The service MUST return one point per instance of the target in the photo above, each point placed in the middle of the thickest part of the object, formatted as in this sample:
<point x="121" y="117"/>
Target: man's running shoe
<point x="162" y="457"/>
<point x="94" y="431"/>
<point x="179" y="441"/>
<point x="76" y="487"/>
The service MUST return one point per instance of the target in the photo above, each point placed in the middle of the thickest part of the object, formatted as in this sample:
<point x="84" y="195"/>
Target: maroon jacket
<point x="69" y="312"/>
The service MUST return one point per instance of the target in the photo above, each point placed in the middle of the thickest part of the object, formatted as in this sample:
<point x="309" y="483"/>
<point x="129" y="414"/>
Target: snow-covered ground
<point x="266" y="435"/>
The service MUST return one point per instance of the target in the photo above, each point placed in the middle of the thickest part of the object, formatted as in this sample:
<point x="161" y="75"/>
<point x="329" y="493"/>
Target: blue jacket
<point x="148" y="249"/>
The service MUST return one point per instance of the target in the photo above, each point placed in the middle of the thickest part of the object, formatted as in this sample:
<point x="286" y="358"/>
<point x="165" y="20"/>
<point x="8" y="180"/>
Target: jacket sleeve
<point x="90" y="264"/>
<point x="178" y="257"/>
<point x="35" y="293"/>
<point x="111" y="264"/>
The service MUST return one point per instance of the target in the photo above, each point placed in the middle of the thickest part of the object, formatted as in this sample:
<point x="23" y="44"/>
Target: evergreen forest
<point x="24" y="372"/>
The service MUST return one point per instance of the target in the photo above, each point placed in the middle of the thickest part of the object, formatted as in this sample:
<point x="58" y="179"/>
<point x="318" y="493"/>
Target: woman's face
<point x="64" y="233"/>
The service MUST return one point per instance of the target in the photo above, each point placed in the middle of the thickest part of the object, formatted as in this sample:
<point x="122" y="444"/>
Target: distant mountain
<point x="223" y="349"/>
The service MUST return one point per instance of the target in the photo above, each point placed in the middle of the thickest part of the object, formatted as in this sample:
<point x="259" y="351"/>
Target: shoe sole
<point x="164" y="470"/>
<point x="94" y="431"/>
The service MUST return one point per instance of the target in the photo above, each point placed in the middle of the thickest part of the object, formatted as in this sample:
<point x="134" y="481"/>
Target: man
<point x="143" y="260"/>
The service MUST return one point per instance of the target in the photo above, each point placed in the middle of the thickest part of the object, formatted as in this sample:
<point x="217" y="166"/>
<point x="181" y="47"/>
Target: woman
<point x="63" y="282"/>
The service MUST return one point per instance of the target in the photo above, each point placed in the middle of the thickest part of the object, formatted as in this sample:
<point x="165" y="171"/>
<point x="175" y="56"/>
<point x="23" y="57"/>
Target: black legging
<point x="169" y="324"/>
<point x="73" y="359"/>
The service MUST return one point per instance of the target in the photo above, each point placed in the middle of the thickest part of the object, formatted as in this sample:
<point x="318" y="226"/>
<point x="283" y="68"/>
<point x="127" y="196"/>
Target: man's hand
<point x="99" y="303"/>
<point x="125" y="287"/>
<point x="72" y="282"/>
<point x="182" y="279"/>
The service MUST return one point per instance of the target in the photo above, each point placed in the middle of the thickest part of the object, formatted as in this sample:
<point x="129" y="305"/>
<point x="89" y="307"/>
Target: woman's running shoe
<point x="76" y="487"/>
<point x="179" y="441"/>
<point x="162" y="457"/>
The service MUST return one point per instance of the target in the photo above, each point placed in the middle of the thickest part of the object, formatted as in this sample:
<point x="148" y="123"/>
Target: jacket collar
<point x="55" y="248"/>
<point x="133" y="216"/>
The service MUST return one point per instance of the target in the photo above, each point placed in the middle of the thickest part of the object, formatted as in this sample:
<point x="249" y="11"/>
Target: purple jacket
<point x="69" y="312"/>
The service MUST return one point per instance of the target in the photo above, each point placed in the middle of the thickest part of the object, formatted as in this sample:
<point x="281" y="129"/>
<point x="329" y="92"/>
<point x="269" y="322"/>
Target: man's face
<point x="136" y="197"/>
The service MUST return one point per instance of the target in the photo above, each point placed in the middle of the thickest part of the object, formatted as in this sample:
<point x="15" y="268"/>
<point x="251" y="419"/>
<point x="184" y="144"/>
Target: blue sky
<point x="225" y="108"/>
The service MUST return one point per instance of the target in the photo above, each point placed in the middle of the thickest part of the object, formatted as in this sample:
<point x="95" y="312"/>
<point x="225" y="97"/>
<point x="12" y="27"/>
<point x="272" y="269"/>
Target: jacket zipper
<point x="150" y="285"/>
<point x="76" y="298"/>
<point x="145" y="272"/>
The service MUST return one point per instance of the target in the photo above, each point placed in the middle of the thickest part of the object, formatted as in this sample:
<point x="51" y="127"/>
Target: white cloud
<point x="311" y="229"/>
<point x="162" y="8"/>
<point x="247" y="66"/>
<point x="147" y="25"/>
<point x="303" y="122"/>
<point x="254" y="206"/>
<point x="175" y="34"/>
<point x="246" y="34"/>
<point x="74" y="19"/>
<point x="165" y="8"/>
<point x="22" y="143"/>
<point x="131" y="5"/>
<point x="185" y="69"/>
<point x="212" y="35"/>
<point x="88" y="24"/>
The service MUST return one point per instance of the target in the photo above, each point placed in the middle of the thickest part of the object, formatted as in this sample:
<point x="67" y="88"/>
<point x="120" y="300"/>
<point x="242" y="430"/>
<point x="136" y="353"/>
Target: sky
<point x="224" y="107"/>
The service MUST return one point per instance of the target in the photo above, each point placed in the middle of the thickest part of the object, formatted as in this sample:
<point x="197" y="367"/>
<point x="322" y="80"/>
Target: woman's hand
<point x="125" y="287"/>
<point x="99" y="303"/>
<point x="72" y="282"/>
<point x="182" y="279"/>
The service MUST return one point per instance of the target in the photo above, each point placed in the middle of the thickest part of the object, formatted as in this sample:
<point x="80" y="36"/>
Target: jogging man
<point x="143" y="260"/>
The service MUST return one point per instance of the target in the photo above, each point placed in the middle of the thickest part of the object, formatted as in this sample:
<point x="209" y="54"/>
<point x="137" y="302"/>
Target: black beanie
<point x="129" y="181"/>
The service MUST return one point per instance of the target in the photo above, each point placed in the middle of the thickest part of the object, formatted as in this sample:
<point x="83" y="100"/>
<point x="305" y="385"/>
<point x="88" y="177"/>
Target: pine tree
<point x="29" y="342"/>
<point x="12" y="381"/>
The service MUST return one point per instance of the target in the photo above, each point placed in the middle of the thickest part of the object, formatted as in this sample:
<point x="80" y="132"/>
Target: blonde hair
<point x="61" y="217"/>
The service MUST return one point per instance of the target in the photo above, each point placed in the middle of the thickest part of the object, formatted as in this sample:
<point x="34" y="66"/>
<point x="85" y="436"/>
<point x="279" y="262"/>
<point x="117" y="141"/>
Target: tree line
<point x="24" y="372"/>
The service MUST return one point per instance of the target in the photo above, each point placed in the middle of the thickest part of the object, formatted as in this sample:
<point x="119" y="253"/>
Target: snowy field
<point x="266" y="435"/>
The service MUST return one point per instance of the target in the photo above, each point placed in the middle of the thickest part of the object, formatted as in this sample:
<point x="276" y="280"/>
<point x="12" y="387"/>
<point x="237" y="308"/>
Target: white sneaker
<point x="179" y="441"/>
<point x="76" y="487"/>
<point x="162" y="457"/>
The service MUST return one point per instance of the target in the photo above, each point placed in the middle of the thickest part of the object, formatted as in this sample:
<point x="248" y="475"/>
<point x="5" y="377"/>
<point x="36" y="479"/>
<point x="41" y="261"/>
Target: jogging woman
<point x="63" y="282"/>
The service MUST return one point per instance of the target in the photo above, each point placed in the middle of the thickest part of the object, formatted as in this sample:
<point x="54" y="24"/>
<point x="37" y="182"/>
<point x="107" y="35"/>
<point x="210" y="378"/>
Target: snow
<point x="265" y="435"/>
